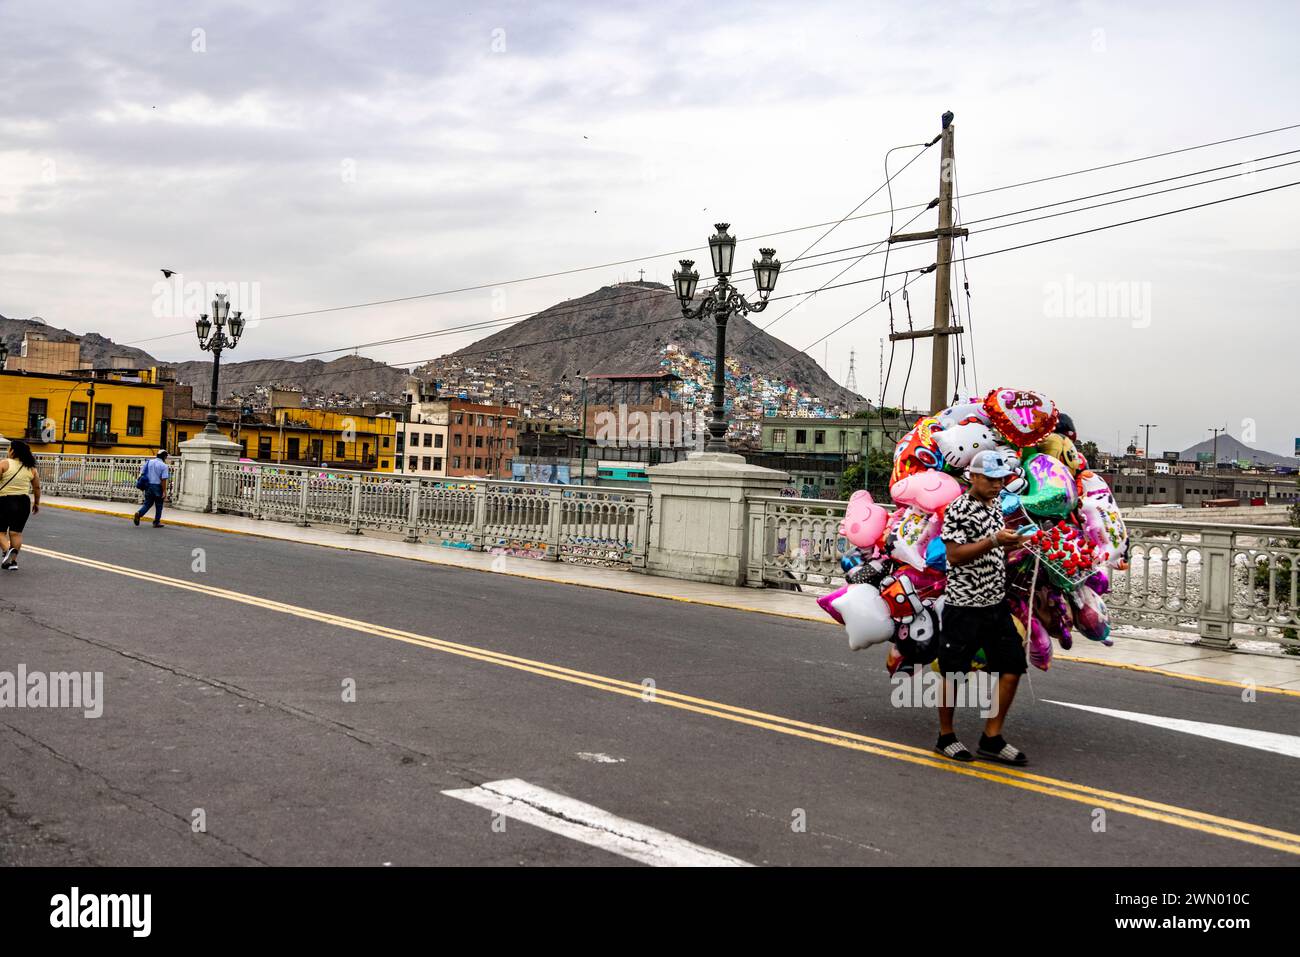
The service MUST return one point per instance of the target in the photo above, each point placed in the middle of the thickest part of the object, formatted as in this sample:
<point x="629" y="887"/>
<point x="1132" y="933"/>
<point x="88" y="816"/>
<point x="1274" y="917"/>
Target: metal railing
<point x="110" y="477"/>
<point x="595" y="526"/>
<point x="1218" y="582"/>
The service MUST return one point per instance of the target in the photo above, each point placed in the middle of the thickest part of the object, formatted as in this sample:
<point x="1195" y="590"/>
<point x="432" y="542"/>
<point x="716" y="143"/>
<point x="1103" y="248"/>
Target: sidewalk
<point x="1267" y="672"/>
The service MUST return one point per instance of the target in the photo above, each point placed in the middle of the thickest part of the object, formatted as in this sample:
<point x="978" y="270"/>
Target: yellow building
<point x="340" y="437"/>
<point x="290" y="434"/>
<point x="104" y="412"/>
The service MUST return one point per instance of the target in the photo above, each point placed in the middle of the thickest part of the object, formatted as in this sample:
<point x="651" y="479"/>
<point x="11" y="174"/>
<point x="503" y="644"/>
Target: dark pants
<point x="153" y="496"/>
<point x="967" y="629"/>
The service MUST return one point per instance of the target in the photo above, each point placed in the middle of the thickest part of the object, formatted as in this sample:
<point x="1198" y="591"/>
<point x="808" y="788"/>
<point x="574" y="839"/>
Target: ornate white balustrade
<point x="1218" y="582"/>
<point x="795" y="540"/>
<point x="110" y="477"/>
<point x="600" y="526"/>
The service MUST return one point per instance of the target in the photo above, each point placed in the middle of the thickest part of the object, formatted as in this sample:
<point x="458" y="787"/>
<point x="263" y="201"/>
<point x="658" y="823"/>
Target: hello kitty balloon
<point x="958" y="445"/>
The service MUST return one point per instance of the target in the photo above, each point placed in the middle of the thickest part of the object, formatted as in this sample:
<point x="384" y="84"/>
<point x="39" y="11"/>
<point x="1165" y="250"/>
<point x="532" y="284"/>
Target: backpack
<point x="142" y="483"/>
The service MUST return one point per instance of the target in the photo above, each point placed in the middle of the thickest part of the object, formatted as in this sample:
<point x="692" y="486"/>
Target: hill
<point x="1231" y="449"/>
<point x="628" y="327"/>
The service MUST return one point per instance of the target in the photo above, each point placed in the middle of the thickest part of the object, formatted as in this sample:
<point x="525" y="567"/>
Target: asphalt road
<point x="763" y="738"/>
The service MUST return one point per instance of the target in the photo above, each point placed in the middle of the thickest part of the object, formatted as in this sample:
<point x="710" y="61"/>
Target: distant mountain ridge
<point x="355" y="375"/>
<point x="1230" y="449"/>
<point x="624" y="328"/>
<point x="616" y="329"/>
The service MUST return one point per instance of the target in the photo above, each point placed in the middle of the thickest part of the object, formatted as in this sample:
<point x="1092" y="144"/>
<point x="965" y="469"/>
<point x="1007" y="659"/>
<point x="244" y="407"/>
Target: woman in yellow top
<point x="18" y="480"/>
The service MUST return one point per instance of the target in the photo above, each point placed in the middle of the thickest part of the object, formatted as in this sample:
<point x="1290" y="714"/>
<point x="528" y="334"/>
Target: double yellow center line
<point x="1010" y="777"/>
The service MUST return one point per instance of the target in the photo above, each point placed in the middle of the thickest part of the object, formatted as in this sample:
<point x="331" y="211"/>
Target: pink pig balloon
<point x="930" y="491"/>
<point x="863" y="520"/>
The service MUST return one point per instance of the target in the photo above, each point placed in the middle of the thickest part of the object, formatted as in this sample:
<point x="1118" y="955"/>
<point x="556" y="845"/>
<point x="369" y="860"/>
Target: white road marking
<point x="597" y="757"/>
<point x="1288" y="744"/>
<point x="583" y="822"/>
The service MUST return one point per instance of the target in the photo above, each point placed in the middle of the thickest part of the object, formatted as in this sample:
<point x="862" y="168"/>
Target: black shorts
<point x="14" y="510"/>
<point x="968" y="629"/>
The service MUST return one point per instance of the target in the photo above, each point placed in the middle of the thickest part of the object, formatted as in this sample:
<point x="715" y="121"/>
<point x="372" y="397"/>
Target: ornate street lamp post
<point x="217" y="342"/>
<point x="722" y="300"/>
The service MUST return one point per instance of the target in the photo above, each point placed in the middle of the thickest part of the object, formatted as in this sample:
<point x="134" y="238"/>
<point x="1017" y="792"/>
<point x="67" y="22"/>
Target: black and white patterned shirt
<point x="982" y="581"/>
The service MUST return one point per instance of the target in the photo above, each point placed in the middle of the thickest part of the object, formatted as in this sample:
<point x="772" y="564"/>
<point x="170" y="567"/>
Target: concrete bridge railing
<point x="598" y="526"/>
<point x="108" y="477"/>
<point x="1219" y="582"/>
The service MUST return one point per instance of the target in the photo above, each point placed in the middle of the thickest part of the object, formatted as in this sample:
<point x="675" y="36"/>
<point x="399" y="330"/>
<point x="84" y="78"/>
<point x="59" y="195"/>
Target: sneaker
<point x="997" y="749"/>
<point x="10" y="559"/>
<point x="950" y="747"/>
<point x="136" y="519"/>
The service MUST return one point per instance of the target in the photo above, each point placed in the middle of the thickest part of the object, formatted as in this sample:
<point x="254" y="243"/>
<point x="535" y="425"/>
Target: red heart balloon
<point x="1023" y="417"/>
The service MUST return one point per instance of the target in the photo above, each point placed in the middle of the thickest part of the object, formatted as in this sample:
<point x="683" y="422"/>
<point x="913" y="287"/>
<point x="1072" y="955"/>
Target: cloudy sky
<point x="331" y="154"/>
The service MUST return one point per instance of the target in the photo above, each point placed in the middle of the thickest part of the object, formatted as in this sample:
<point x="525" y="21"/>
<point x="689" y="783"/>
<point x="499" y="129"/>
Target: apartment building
<point x="482" y="439"/>
<point x="422" y="441"/>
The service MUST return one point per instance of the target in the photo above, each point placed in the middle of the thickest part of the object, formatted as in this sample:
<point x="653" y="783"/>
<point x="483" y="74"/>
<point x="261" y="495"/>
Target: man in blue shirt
<point x="153" y="478"/>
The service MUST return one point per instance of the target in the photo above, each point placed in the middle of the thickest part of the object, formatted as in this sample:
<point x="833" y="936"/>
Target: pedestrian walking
<point x="20" y="498"/>
<point x="975" y="612"/>
<point x="153" y="482"/>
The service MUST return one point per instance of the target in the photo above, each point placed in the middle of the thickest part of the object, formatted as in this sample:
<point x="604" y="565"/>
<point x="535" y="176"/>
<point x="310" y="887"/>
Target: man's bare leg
<point x="1007" y="685"/>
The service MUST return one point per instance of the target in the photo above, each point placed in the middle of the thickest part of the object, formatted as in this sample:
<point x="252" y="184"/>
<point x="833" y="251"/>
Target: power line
<point x="1129" y="222"/>
<point x="1153" y="182"/>
<point x="760" y="236"/>
<point x="1126" y="199"/>
<point x="965" y="276"/>
<point x="885" y="185"/>
<point x="520" y="345"/>
<point x="1063" y="202"/>
<point x="826" y="285"/>
<point x="878" y="302"/>
<point x="482" y="325"/>
<point x="1052" y="239"/>
<point x="855" y="282"/>
<point x="486" y="323"/>
<point x="1049" y="239"/>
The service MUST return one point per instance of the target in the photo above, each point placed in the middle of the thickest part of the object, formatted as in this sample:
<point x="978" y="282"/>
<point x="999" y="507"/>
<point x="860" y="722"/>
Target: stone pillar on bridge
<point x="200" y="454"/>
<point x="697" y="515"/>
<point x="1218" y="583"/>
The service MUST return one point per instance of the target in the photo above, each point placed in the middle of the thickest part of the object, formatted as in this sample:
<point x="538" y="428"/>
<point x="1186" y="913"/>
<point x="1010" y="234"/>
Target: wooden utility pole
<point x="942" y="277"/>
<point x="939" y="397"/>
